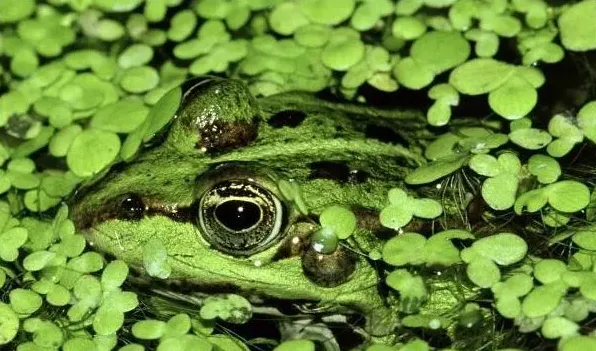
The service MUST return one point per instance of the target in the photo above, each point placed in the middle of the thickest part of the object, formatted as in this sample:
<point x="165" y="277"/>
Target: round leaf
<point x="92" y="150"/>
<point x="568" y="196"/>
<point x="480" y="76"/>
<point x="503" y="248"/>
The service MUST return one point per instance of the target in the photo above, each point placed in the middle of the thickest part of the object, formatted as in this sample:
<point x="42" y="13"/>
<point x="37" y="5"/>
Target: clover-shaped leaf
<point x="12" y="239"/>
<point x="439" y="250"/>
<point x="567" y="134"/>
<point x="411" y="288"/>
<point x="517" y="285"/>
<point x="403" y="208"/>
<point x="230" y="308"/>
<point x="487" y="43"/>
<point x="499" y="191"/>
<point x="545" y="168"/>
<point x="445" y="96"/>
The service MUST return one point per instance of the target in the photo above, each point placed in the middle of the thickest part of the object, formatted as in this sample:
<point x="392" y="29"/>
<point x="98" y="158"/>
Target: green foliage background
<point x="67" y="67"/>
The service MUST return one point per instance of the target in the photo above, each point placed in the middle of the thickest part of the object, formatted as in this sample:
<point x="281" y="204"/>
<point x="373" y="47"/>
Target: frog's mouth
<point x="333" y="328"/>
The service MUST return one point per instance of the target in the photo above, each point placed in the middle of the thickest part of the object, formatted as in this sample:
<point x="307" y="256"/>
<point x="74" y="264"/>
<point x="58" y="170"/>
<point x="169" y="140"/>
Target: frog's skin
<point x="220" y="134"/>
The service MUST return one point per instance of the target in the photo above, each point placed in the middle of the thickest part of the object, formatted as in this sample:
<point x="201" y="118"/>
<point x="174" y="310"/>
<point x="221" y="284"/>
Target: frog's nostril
<point x="132" y="207"/>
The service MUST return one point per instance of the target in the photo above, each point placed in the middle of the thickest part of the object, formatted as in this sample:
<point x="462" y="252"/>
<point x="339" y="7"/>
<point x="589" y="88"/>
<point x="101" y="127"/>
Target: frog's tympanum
<point x="208" y="189"/>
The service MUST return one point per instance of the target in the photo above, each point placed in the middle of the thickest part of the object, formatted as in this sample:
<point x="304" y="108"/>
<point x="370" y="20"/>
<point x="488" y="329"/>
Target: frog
<point x="208" y="187"/>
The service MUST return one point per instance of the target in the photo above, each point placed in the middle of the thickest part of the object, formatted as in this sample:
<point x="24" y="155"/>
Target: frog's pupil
<point x="238" y="215"/>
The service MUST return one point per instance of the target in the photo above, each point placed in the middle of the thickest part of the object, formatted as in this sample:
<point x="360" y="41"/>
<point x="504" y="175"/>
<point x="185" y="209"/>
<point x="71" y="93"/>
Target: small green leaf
<point x="344" y="50"/>
<point x="485" y="165"/>
<point x="440" y="51"/>
<point x="91" y="151"/>
<point x="108" y="320"/>
<point x="24" y="301"/>
<point x="549" y="270"/>
<point x="412" y="74"/>
<point x="340" y="219"/>
<point x="9" y="324"/>
<point x="568" y="196"/>
<point x="328" y="12"/>
<point x="426" y="208"/>
<point x="395" y="216"/>
<point x="545" y="168"/>
<point x="577" y="28"/>
<point x="514" y="99"/>
<point x="480" y="76"/>
<point x="139" y="79"/>
<point x="404" y="249"/>
<point x="155" y="258"/>
<point x="434" y="170"/>
<point x="296" y="345"/>
<point x="408" y="28"/>
<point x="499" y="192"/>
<point x="543" y="299"/>
<point x="586" y="118"/>
<point x="483" y="272"/>
<point x="148" y="329"/>
<point x="503" y="248"/>
<point x="530" y="138"/>
<point x="114" y="275"/>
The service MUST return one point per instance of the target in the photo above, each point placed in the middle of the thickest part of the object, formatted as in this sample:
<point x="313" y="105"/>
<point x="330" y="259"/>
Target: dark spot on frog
<point x="329" y="270"/>
<point x="384" y="134"/>
<point x="368" y="219"/>
<point x="218" y="135"/>
<point x="287" y="118"/>
<point x="337" y="171"/>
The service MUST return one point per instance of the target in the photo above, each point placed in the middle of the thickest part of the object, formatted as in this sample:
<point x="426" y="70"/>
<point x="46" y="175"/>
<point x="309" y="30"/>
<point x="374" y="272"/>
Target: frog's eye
<point x="239" y="217"/>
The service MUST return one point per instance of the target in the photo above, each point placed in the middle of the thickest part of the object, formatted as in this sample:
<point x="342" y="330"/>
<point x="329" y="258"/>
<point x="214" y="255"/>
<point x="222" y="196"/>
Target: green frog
<point x="208" y="188"/>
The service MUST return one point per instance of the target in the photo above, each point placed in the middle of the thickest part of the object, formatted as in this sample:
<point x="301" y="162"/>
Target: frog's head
<point x="209" y="193"/>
